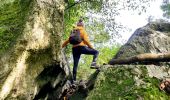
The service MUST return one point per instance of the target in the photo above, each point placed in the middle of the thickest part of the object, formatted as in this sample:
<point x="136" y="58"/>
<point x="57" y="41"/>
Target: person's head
<point x="80" y="23"/>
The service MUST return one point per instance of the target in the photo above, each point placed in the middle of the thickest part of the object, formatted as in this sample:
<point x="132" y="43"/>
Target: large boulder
<point x="32" y="65"/>
<point x="152" y="38"/>
<point x="128" y="82"/>
<point x="136" y="81"/>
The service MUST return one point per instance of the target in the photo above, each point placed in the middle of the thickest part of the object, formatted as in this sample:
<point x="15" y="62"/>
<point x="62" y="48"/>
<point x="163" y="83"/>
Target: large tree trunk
<point x="35" y="62"/>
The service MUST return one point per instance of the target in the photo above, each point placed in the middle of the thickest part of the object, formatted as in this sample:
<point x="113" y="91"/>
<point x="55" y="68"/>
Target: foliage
<point x="97" y="33"/>
<point x="111" y="9"/>
<point x="74" y="13"/>
<point x="12" y="19"/>
<point x="76" y="10"/>
<point x="100" y="17"/>
<point x="105" y="54"/>
<point x="166" y="8"/>
<point x="119" y="83"/>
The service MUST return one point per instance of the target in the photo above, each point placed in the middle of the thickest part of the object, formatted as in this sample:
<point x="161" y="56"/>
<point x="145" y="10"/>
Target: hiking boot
<point x="94" y="65"/>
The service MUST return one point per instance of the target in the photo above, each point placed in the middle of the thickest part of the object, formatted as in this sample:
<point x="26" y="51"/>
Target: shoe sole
<point x="94" y="67"/>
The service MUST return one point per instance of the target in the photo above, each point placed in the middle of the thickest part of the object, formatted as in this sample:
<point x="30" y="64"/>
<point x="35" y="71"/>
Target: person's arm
<point x="65" y="43"/>
<point x="86" y="40"/>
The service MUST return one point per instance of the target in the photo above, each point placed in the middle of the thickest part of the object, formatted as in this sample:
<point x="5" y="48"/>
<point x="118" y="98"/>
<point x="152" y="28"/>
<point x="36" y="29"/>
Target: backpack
<point x="75" y="37"/>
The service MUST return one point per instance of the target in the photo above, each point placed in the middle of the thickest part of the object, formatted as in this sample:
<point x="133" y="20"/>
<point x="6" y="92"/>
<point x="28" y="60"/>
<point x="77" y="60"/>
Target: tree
<point x="99" y="16"/>
<point x="166" y="8"/>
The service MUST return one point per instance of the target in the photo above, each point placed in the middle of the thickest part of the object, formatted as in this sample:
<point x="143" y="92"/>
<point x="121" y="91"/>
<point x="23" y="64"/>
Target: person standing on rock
<point x="83" y="46"/>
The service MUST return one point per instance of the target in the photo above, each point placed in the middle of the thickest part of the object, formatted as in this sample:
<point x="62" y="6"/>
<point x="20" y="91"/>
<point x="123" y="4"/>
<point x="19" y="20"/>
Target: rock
<point x="128" y="82"/>
<point x="152" y="38"/>
<point x="33" y="66"/>
<point x="136" y="81"/>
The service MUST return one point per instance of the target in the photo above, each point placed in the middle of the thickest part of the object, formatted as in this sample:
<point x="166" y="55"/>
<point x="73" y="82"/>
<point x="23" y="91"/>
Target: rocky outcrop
<point x="130" y="82"/>
<point x="34" y="67"/>
<point x="152" y="38"/>
<point x="136" y="80"/>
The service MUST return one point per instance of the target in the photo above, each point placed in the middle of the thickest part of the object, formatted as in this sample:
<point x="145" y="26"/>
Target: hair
<point x="80" y="22"/>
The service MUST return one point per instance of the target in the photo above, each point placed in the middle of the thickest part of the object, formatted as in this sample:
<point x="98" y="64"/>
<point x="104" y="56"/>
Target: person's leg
<point x="76" y="57"/>
<point x="89" y="51"/>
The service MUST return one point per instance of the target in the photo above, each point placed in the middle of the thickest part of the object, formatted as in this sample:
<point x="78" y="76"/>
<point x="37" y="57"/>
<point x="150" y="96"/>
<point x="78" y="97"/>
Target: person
<point x="165" y="86"/>
<point x="83" y="47"/>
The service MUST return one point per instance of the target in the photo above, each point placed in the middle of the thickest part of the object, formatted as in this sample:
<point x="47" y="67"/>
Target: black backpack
<point x="75" y="37"/>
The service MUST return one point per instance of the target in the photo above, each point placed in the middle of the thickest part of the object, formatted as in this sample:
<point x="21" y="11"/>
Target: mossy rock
<point x="125" y="83"/>
<point x="13" y="16"/>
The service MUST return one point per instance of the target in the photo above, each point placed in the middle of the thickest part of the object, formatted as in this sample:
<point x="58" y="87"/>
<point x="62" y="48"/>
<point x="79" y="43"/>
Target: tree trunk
<point x="146" y="57"/>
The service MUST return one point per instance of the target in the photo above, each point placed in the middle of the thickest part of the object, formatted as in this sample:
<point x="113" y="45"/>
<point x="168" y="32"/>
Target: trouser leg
<point x="76" y="57"/>
<point x="89" y="51"/>
<point x="95" y="56"/>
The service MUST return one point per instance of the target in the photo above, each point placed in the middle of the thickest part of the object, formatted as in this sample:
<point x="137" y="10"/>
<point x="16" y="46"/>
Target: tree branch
<point x="79" y="2"/>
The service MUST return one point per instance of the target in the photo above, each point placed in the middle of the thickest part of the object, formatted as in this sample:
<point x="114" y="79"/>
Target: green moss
<point x="114" y="83"/>
<point x="12" y="18"/>
<point x="38" y="59"/>
<point x="150" y="90"/>
<point x="119" y="84"/>
<point x="144" y="71"/>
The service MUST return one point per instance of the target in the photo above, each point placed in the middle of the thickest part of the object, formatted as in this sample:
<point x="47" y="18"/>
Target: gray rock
<point x="152" y="38"/>
<point x="35" y="66"/>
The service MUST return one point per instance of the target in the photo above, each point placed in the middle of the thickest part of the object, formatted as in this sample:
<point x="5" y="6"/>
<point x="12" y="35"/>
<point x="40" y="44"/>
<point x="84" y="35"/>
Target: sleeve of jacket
<point x="65" y="43"/>
<point x="86" y="39"/>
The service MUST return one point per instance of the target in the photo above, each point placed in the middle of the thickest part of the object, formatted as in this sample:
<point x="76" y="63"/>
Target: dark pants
<point x="77" y="51"/>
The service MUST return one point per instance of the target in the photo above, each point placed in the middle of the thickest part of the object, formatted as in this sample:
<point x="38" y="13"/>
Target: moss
<point x="112" y="85"/>
<point x="150" y="90"/>
<point x="119" y="84"/>
<point x="38" y="59"/>
<point x="13" y="15"/>
<point x="12" y="20"/>
<point x="144" y="71"/>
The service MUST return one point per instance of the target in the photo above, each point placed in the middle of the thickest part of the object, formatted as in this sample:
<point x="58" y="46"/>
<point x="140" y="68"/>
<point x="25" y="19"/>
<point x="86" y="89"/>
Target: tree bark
<point x="146" y="57"/>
